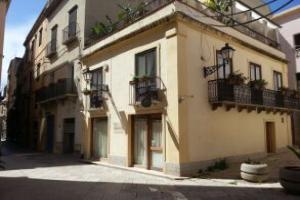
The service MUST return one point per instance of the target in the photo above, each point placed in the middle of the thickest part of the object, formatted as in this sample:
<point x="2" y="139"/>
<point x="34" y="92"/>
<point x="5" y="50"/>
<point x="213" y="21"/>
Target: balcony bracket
<point x="215" y="106"/>
<point x="259" y="110"/>
<point x="229" y="107"/>
<point x="241" y="108"/>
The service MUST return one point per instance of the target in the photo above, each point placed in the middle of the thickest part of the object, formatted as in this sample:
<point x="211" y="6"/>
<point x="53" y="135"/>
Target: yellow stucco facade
<point x="194" y="134"/>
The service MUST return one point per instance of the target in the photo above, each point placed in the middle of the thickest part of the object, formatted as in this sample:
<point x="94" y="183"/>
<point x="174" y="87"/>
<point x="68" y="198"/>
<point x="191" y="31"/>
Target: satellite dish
<point x="146" y="101"/>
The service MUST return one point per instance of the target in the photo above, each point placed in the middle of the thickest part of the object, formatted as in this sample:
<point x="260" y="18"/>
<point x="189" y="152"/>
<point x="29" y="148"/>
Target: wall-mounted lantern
<point x="227" y="54"/>
<point x="87" y="75"/>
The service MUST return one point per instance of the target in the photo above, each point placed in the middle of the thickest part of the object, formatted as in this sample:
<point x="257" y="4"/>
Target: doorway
<point x="99" y="138"/>
<point x="147" y="142"/>
<point x="50" y="133"/>
<point x="69" y="135"/>
<point x="270" y="137"/>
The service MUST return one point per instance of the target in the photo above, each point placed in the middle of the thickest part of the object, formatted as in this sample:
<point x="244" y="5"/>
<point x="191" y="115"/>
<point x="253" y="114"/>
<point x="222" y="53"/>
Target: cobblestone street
<point x="32" y="176"/>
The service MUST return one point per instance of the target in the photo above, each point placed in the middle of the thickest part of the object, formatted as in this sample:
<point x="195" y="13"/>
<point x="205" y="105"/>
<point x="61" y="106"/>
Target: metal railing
<point x="141" y="88"/>
<point x="220" y="91"/>
<point x="51" y="48"/>
<point x="255" y="29"/>
<point x="56" y="90"/>
<point x="97" y="95"/>
<point x="70" y="33"/>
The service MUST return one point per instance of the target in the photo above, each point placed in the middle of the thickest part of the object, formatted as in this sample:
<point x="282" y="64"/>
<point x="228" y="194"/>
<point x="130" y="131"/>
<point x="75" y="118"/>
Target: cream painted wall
<point x="206" y="134"/>
<point x="121" y="61"/>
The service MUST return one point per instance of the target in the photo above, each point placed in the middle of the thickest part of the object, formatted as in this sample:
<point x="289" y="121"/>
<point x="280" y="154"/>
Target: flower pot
<point x="290" y="179"/>
<point x="256" y="173"/>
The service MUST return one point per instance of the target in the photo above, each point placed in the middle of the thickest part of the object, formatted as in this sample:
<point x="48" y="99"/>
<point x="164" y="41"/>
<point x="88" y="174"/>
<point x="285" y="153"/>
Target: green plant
<point x="219" y="5"/>
<point x="252" y="162"/>
<point x="218" y="166"/>
<point x="285" y="91"/>
<point x="101" y="29"/>
<point x="258" y="84"/>
<point x="295" y="94"/>
<point x="295" y="150"/>
<point x="236" y="78"/>
<point x="130" y="13"/>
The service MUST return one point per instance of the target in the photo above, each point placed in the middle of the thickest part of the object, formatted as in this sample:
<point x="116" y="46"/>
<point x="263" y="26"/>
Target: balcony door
<point x="53" y="39"/>
<point x="145" y="67"/>
<point x="96" y="88"/>
<point x="147" y="142"/>
<point x="99" y="138"/>
<point x="72" y="22"/>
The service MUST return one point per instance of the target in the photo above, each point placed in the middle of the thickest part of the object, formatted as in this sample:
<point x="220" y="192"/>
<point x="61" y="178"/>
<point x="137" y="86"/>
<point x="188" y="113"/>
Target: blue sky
<point x="20" y="18"/>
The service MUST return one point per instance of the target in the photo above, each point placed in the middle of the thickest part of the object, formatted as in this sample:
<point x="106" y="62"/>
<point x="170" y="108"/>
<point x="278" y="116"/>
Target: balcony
<point x="256" y="29"/>
<point x="146" y="91"/>
<point x="70" y="33"/>
<point x="244" y="97"/>
<point x="59" y="90"/>
<point x="97" y="96"/>
<point x="51" y="49"/>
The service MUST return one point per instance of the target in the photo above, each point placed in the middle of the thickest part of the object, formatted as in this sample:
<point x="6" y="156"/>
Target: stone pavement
<point x="37" y="176"/>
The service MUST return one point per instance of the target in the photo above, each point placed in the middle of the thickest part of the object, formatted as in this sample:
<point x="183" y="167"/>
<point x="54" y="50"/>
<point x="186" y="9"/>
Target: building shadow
<point x="23" y="188"/>
<point x="14" y="158"/>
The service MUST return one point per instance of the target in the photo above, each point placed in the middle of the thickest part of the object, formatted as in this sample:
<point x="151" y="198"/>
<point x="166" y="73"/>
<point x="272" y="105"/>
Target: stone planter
<point x="290" y="179"/>
<point x="256" y="173"/>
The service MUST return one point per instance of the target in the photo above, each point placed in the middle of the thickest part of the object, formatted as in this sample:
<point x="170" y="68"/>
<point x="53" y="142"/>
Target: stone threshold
<point x="135" y="169"/>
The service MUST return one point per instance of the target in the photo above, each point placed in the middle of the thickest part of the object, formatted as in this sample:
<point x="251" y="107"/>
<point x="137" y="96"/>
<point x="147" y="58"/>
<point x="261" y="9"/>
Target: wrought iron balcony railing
<point x="70" y="33"/>
<point x="60" y="89"/>
<point x="97" y="96"/>
<point x="51" y="48"/>
<point x="145" y="91"/>
<point x="221" y="92"/>
<point x="256" y="29"/>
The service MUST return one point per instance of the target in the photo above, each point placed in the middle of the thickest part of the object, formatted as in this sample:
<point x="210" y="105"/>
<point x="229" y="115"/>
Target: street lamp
<point x="87" y="75"/>
<point x="227" y="54"/>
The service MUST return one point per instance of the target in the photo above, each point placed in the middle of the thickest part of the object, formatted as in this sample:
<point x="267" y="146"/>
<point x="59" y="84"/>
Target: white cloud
<point x="13" y="45"/>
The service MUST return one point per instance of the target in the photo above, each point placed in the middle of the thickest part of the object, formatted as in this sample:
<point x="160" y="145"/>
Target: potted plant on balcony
<point x="100" y="29"/>
<point x="290" y="175"/>
<point x="254" y="171"/>
<point x="236" y="78"/>
<point x="257" y="88"/>
<point x="220" y="7"/>
<point x="230" y="88"/>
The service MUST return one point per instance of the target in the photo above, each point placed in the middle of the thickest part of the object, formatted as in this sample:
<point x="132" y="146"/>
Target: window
<point x="96" y="89"/>
<point x="277" y="80"/>
<point x="53" y="38"/>
<point x="40" y="36"/>
<point x="297" y="41"/>
<point x="38" y="71"/>
<point x="146" y="64"/>
<point x="73" y="22"/>
<point x="225" y="69"/>
<point x="32" y="55"/>
<point x="255" y="72"/>
<point x="97" y="79"/>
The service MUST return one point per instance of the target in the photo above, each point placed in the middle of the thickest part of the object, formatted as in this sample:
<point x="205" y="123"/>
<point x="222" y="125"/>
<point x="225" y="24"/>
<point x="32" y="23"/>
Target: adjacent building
<point x="4" y="4"/>
<point x="160" y="88"/>
<point x="290" y="43"/>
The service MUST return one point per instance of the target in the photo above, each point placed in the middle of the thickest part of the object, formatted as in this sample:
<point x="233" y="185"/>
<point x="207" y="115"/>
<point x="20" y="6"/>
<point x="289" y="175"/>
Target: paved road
<point x="36" y="176"/>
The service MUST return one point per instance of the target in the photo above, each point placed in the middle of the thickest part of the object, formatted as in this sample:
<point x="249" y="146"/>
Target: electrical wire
<point x="247" y="22"/>
<point x="252" y="9"/>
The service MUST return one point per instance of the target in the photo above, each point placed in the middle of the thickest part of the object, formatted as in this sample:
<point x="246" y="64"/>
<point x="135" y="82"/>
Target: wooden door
<point x="270" y="137"/>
